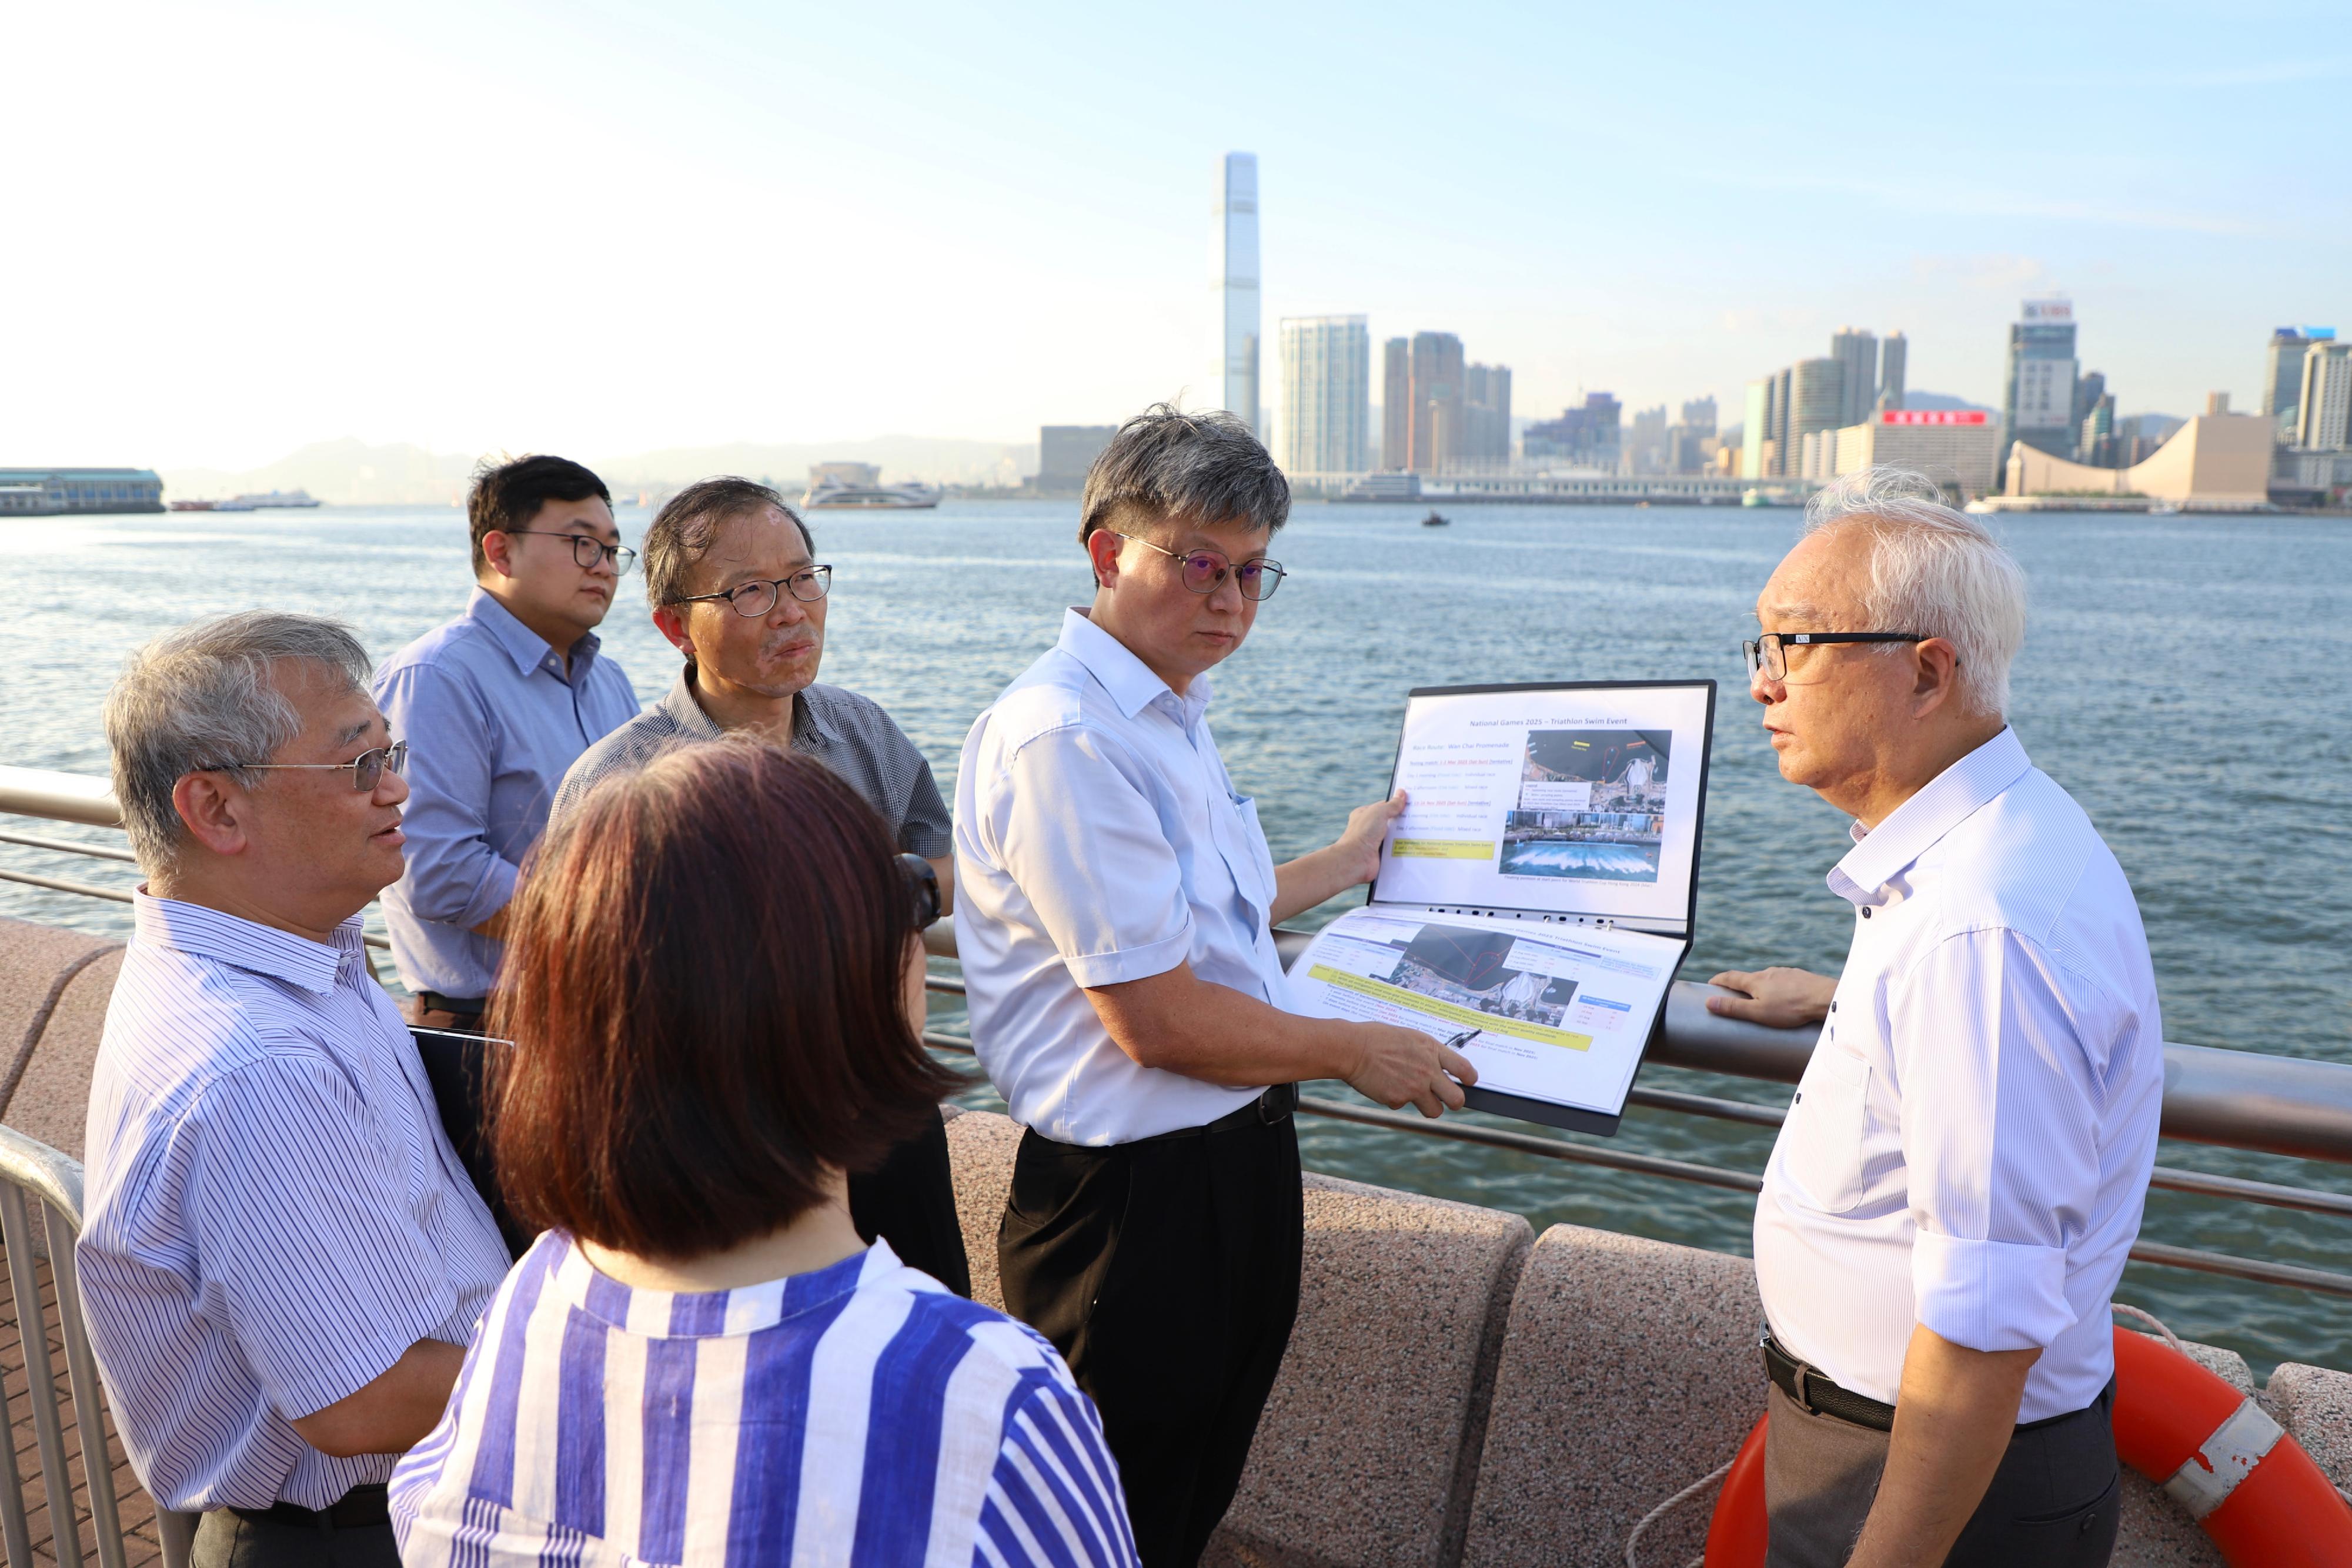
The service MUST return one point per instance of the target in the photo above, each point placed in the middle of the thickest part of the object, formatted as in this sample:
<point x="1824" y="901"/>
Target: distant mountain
<point x="351" y="472"/>
<point x="1942" y="400"/>
<point x="347" y="471"/>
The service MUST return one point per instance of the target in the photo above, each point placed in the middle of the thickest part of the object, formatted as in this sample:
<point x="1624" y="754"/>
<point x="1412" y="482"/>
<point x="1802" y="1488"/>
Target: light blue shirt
<point x="274" y="1212"/>
<point x="492" y="723"/>
<point x="1970" y="1146"/>
<point x="857" y="1415"/>
<point x="1099" y="840"/>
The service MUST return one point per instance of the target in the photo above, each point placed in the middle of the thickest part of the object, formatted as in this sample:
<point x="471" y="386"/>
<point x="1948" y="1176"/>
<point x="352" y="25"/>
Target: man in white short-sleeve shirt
<point x="1960" y="1177"/>
<point x="1113" y="900"/>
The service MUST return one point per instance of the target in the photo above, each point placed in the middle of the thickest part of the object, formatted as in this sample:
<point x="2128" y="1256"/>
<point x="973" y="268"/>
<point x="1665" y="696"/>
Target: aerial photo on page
<point x="1592" y="806"/>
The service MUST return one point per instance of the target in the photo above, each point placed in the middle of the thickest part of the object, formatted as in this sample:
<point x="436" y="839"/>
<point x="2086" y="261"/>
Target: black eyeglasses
<point x="368" y="767"/>
<point x="1205" y="570"/>
<point x="759" y="597"/>
<point x="1768" y="654"/>
<point x="586" y="549"/>
<point x="923" y="887"/>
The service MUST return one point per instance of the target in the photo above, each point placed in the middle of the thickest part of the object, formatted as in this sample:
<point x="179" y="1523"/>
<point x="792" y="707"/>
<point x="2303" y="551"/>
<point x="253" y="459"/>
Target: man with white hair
<point x="1960" y="1177"/>
<point x="282" y="1260"/>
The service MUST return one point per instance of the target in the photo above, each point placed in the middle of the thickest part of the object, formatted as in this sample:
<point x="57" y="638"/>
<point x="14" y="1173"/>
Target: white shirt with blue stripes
<point x="274" y="1215"/>
<point x="858" y="1415"/>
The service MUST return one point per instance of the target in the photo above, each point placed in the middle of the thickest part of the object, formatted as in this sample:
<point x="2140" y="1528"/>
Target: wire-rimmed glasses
<point x="758" y="597"/>
<point x="1205" y="570"/>
<point x="1768" y="654"/>
<point x="587" y="549"/>
<point x="368" y="767"/>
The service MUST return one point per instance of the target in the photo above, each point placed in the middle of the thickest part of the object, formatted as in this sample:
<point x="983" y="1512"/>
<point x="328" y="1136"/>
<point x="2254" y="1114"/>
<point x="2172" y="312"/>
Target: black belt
<point x="464" y="1007"/>
<point x="1277" y="1104"/>
<point x="1814" y="1392"/>
<point x="362" y="1508"/>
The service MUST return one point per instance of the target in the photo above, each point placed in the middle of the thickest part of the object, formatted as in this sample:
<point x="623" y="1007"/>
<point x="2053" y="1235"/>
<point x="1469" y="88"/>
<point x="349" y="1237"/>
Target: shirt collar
<point x="527" y="648"/>
<point x="1128" y="679"/>
<point x="685" y="712"/>
<point x="206" y="932"/>
<point x="1914" y="827"/>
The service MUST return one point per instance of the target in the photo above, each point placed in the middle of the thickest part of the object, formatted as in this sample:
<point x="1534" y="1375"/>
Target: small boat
<point x="1436" y="520"/>
<point x="859" y="487"/>
<point x="194" y="505"/>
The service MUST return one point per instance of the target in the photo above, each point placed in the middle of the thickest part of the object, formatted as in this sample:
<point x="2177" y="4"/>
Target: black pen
<point x="1459" y="1040"/>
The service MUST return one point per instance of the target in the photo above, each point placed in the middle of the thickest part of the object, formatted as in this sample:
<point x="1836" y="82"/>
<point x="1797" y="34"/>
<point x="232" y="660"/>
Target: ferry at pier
<point x="859" y="487"/>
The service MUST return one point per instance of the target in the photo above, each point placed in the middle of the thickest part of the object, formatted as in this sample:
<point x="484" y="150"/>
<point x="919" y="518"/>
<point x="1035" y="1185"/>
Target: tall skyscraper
<point x="1816" y="402"/>
<point x="2323" y="408"/>
<point x="1892" y="355"/>
<point x="1396" y="404"/>
<point x="1699" y="416"/>
<point x="1486" y="415"/>
<point x="1782" y="459"/>
<point x="1856" y="352"/>
<point x="1436" y="404"/>
<point x="1587" y="438"/>
<point x="2283" y="374"/>
<point x="1755" y="426"/>
<point x="1234" y="378"/>
<point x="2038" y="406"/>
<point x="1327" y="394"/>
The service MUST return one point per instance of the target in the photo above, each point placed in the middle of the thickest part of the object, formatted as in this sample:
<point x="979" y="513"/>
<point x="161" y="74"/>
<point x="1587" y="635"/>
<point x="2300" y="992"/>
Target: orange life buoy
<point x="2212" y="1448"/>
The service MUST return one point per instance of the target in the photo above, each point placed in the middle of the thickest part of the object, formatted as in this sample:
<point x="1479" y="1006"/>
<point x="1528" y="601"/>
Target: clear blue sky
<point x="608" y="228"/>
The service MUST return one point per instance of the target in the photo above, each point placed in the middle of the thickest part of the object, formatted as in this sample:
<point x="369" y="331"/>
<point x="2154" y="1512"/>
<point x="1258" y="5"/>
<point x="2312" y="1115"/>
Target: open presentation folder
<point x="1538" y="889"/>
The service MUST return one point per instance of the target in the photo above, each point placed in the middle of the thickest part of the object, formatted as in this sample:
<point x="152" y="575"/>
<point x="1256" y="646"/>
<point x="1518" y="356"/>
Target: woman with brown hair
<point x="700" y="1362"/>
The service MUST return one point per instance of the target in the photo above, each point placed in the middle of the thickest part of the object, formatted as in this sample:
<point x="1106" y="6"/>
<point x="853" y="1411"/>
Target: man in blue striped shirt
<point x="282" y="1258"/>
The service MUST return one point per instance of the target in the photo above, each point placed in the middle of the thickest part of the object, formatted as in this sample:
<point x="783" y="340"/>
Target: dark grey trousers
<point x="226" y="1540"/>
<point x="2054" y="1502"/>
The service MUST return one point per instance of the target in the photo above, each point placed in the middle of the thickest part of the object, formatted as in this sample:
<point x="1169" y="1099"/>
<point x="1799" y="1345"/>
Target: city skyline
<point x="487" y="228"/>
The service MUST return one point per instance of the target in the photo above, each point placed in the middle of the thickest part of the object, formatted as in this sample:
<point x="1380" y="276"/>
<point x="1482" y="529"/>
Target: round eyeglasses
<point x="1205" y="570"/>
<point x="759" y="596"/>
<point x="1768" y="654"/>
<point x="368" y="767"/>
<point x="586" y="549"/>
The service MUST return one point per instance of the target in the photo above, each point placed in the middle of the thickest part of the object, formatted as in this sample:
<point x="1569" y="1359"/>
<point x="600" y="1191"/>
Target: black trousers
<point x="2054" y="1502"/>
<point x="1166" y="1272"/>
<point x="909" y="1201"/>
<point x="226" y="1540"/>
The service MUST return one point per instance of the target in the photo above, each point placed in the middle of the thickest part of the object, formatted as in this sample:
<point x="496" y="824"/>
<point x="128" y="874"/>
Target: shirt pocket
<point x="1827" y="1126"/>
<point x="1247" y="859"/>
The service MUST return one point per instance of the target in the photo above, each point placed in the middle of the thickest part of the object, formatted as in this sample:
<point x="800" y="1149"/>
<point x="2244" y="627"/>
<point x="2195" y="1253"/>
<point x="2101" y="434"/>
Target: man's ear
<point x="1102" y="554"/>
<point x="213" y="811"/>
<point x="498" y="554"/>
<point x="1935" y="675"/>
<point x="670" y="622"/>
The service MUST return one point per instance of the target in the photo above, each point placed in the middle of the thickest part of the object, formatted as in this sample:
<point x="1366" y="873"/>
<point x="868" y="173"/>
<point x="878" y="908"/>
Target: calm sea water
<point x="2182" y="678"/>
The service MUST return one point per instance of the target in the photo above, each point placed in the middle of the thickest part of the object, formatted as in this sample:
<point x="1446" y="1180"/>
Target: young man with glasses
<point x="733" y="582"/>
<point x="498" y="704"/>
<point x="1118" y="900"/>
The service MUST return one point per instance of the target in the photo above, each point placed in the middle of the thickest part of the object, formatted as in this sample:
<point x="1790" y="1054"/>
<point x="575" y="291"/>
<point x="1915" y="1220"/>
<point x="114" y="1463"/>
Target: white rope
<point x="1664" y="1509"/>
<point x="2151" y="1320"/>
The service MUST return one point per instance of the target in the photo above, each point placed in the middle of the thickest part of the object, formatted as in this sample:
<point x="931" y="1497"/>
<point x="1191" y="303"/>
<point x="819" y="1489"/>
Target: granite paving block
<point x="36" y="963"/>
<point x="1628" y="1371"/>
<point x="980" y="1145"/>
<point x="2316" y="1404"/>
<point x="1366" y="1451"/>
<point x="52" y="1098"/>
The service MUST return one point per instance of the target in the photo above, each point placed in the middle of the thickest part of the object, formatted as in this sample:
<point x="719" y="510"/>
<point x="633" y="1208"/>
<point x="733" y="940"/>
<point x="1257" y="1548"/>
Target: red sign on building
<point x="1932" y="416"/>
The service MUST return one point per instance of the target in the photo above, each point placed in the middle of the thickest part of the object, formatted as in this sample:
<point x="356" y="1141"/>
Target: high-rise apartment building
<point x="2323" y="408"/>
<point x="1327" y="394"/>
<point x="2038" y="406"/>
<point x="1755" y="426"/>
<point x="2283" y="375"/>
<point x="1698" y="416"/>
<point x="1436" y="401"/>
<point x="1396" y="404"/>
<point x="1583" y="438"/>
<point x="1856" y="352"/>
<point x="1487" y="415"/>
<point x="1893" y="355"/>
<point x="1816" y="402"/>
<point x="1782" y="460"/>
<point x="1235" y="370"/>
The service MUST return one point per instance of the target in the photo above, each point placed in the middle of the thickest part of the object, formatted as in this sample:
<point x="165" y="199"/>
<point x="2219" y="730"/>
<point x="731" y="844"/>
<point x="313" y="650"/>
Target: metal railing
<point x="2236" y="1099"/>
<point x="33" y="1173"/>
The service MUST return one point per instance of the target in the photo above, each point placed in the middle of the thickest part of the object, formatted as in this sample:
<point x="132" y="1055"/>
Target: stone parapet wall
<point x="1454" y="1393"/>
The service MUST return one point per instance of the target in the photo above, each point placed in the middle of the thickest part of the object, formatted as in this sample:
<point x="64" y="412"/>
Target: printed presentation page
<point x="1561" y="1011"/>
<point x="1563" y="801"/>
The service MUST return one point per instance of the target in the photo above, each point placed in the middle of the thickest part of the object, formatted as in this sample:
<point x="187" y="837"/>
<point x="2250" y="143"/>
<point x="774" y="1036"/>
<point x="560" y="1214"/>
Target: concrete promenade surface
<point x="1457" y="1390"/>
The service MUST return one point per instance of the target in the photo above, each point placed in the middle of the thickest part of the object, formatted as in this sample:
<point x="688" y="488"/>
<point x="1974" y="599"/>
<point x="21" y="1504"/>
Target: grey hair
<point x="1203" y="467"/>
<point x="204" y="699"/>
<point x="687" y="525"/>
<point x="1933" y="570"/>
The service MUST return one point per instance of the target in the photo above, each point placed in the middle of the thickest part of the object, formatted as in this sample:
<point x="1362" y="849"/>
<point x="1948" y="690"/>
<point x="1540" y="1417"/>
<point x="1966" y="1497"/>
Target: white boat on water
<point x="859" y="487"/>
<point x="264" y="503"/>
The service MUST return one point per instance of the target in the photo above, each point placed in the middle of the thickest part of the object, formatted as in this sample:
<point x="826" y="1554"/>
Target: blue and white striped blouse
<point x="859" y="1414"/>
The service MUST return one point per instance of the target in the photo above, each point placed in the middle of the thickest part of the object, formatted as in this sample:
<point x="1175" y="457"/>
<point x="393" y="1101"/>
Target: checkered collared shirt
<point x="847" y="733"/>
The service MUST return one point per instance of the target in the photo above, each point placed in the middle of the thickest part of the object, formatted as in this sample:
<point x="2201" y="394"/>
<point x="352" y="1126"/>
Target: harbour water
<point x="2182" y="677"/>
